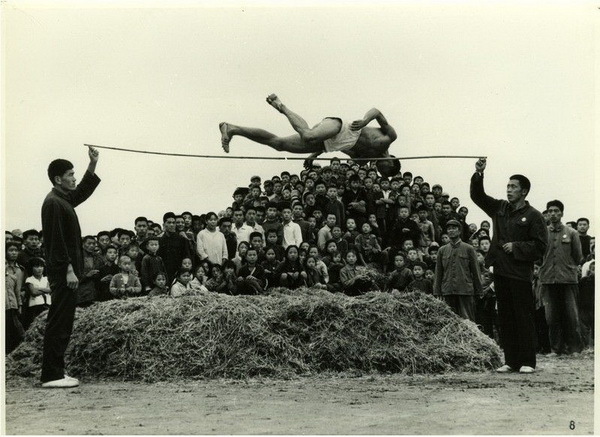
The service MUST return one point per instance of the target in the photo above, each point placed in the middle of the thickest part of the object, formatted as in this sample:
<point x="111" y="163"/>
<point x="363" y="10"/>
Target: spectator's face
<point x="225" y="228"/>
<point x="485" y="225"/>
<point x="437" y="206"/>
<point x="453" y="231"/>
<point x="260" y="216"/>
<point x="407" y="245"/>
<point x="238" y="217"/>
<point x="185" y="278"/>
<point x="256" y="242"/>
<point x="418" y="271"/>
<point x="310" y="200"/>
<point x="412" y="255"/>
<point x="335" y="165"/>
<point x="133" y="252"/>
<point x="309" y="184"/>
<point x="179" y="224"/>
<point x="424" y="189"/>
<point x="103" y="240"/>
<point x="354" y="184"/>
<point x="312" y="222"/>
<point x="429" y="200"/>
<point x="366" y="228"/>
<point x="271" y="213"/>
<point x="125" y="264"/>
<point x="124" y="240"/>
<point x="186" y="263"/>
<point x="403" y="213"/>
<point x="160" y="281"/>
<point x="446" y="209"/>
<point x="475" y="243"/>
<point x="455" y="203"/>
<point x="429" y="275"/>
<point x="298" y="210"/>
<point x="351" y="258"/>
<point x="12" y="253"/>
<point x="350" y="224"/>
<point x="286" y="214"/>
<point x="362" y="173"/>
<point x="211" y="223"/>
<point x="514" y="192"/>
<point x="332" y="193"/>
<point x="170" y="225"/>
<point x="251" y="256"/>
<point x="480" y="257"/>
<point x="331" y="220"/>
<point x="286" y="194"/>
<point x="32" y="242"/>
<point x="111" y="255"/>
<point x="340" y="191"/>
<point x="331" y="247"/>
<point x="277" y="187"/>
<point x="582" y="227"/>
<point x="292" y="254"/>
<point x="187" y="220"/>
<point x="272" y="238"/>
<point x="368" y="183"/>
<point x="472" y="228"/>
<point x="484" y="245"/>
<point x="433" y="255"/>
<point x="89" y="245"/>
<point x="157" y="229"/>
<point x="313" y="251"/>
<point x="422" y="215"/>
<point x="399" y="261"/>
<point x="255" y="192"/>
<point x="385" y="185"/>
<point x="395" y="185"/>
<point x="437" y="191"/>
<point x="445" y="239"/>
<point x="238" y="198"/>
<point x="554" y="214"/>
<point x="141" y="228"/>
<point x="463" y="212"/>
<point x="250" y="216"/>
<point x="152" y="246"/>
<point x="270" y="255"/>
<point x="285" y="178"/>
<point x="418" y="180"/>
<point x="336" y="232"/>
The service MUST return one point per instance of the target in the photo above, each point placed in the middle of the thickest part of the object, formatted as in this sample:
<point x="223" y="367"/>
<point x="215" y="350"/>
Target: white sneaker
<point x="526" y="369"/>
<point x="505" y="369"/>
<point x="71" y="378"/>
<point x="61" y="383"/>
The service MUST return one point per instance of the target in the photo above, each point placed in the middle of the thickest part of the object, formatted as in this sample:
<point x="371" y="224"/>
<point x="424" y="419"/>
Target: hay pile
<point x="281" y="334"/>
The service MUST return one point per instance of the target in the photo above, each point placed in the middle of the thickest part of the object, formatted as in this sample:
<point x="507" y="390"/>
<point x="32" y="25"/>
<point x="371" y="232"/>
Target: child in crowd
<point x="160" y="285"/>
<point x="182" y="285"/>
<point x="485" y="244"/>
<point x="198" y="283"/>
<point x="272" y="243"/>
<point x="217" y="282"/>
<point x="270" y="265"/>
<point x="330" y="248"/>
<point x="251" y="277"/>
<point x="485" y="306"/>
<point x="320" y="265"/>
<point x="125" y="284"/>
<point x="367" y="246"/>
<point x="256" y="242"/>
<point x="314" y="278"/>
<point x="240" y="258"/>
<point x="430" y="274"/>
<point x="133" y="251"/>
<point x="334" y="268"/>
<point x="401" y="276"/>
<point x="151" y="264"/>
<point x="419" y="283"/>
<point x="106" y="273"/>
<point x="352" y="278"/>
<point x="290" y="273"/>
<point x="351" y="233"/>
<point x="230" y="277"/>
<point x="338" y="237"/>
<point x="38" y="290"/>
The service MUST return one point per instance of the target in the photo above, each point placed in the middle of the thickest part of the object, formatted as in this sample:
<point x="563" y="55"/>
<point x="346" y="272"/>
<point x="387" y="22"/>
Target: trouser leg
<point x="58" y="328"/>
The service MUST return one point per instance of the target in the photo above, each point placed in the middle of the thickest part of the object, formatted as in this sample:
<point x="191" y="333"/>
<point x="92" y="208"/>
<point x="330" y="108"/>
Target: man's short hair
<point x="388" y="167"/>
<point x="524" y="181"/>
<point x="583" y="219"/>
<point x="254" y="235"/>
<point x="168" y="215"/>
<point x="270" y="231"/>
<point x="140" y="219"/>
<point x="446" y="202"/>
<point x="225" y="220"/>
<point x="335" y="158"/>
<point x="407" y="173"/>
<point x="556" y="203"/>
<point x="125" y="232"/>
<point x="88" y="237"/>
<point x="103" y="233"/>
<point x="30" y="232"/>
<point x="353" y="178"/>
<point x="58" y="167"/>
<point x="485" y="237"/>
<point x="285" y="173"/>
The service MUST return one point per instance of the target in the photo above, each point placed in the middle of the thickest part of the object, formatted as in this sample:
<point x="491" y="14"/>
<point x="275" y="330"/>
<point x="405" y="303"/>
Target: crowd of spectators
<point x="341" y="228"/>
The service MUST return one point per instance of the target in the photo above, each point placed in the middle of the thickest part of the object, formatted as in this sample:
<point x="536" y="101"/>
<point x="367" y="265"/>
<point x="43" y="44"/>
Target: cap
<point x="437" y="186"/>
<point x="453" y="223"/>
<point x="253" y="178"/>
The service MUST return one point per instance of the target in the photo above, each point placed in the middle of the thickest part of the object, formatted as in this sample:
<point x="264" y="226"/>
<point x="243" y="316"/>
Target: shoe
<point x="505" y="369"/>
<point x="61" y="383"/>
<point x="526" y="369"/>
<point x="71" y="378"/>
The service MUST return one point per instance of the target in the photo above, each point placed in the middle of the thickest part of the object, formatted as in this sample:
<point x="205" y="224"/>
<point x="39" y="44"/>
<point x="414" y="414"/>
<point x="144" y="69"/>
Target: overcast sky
<point x="513" y="83"/>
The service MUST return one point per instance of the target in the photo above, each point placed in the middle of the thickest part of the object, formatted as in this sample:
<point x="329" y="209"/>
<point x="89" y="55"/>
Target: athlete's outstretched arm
<point x="375" y="114"/>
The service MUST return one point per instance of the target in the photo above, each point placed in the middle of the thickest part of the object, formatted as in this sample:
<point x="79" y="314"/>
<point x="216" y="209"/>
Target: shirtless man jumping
<point x="330" y="135"/>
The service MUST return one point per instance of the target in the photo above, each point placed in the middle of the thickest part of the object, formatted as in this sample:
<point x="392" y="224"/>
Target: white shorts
<point x="344" y="140"/>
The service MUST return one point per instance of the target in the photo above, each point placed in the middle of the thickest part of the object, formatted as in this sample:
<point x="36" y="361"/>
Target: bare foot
<point x="274" y="101"/>
<point x="225" y="138"/>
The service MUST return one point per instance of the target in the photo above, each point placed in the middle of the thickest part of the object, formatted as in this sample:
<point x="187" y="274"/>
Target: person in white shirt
<point x="38" y="290"/>
<point x="210" y="242"/>
<point x="292" y="235"/>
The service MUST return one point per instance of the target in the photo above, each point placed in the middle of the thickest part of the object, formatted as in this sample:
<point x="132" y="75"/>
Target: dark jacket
<point x="60" y="226"/>
<point x="524" y="227"/>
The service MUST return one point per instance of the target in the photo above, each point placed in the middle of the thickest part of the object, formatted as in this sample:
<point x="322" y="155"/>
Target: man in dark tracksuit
<point x="519" y="238"/>
<point x="64" y="258"/>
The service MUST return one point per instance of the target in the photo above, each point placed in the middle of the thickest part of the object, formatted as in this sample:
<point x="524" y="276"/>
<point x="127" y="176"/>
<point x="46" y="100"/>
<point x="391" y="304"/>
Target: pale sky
<point x="513" y="83"/>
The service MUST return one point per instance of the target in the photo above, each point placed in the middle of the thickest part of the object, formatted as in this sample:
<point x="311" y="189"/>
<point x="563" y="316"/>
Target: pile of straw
<point x="281" y="334"/>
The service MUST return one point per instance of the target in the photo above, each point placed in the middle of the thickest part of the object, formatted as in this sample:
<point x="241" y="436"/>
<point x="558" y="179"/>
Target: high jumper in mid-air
<point x="331" y="134"/>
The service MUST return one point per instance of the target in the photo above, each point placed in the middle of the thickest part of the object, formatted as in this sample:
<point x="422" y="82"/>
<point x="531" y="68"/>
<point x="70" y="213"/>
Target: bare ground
<point x="559" y="395"/>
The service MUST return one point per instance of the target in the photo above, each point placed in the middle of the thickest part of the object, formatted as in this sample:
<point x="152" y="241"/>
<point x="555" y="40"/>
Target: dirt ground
<point x="559" y="396"/>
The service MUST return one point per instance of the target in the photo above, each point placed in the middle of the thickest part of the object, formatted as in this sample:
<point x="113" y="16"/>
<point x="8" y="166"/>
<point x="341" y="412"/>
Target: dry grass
<point x="281" y="334"/>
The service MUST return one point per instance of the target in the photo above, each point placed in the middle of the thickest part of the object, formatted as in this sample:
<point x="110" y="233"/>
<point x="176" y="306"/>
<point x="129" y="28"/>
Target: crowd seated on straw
<point x="342" y="227"/>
